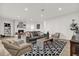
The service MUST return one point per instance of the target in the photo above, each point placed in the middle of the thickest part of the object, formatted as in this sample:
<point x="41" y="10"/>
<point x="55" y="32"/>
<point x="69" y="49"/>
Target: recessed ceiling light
<point x="59" y="9"/>
<point x="42" y="15"/>
<point x="26" y="9"/>
<point x="31" y="19"/>
<point x="42" y="10"/>
<point x="18" y="16"/>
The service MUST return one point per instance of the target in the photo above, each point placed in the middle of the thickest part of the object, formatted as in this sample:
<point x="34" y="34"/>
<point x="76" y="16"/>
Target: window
<point x="38" y="26"/>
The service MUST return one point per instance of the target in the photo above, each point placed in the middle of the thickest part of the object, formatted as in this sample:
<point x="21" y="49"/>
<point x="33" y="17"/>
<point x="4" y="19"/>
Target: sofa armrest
<point x="10" y="46"/>
<point x="24" y="48"/>
<point x="13" y="47"/>
<point x="25" y="45"/>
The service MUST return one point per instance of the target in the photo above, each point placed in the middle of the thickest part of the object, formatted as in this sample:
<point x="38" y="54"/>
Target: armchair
<point x="16" y="49"/>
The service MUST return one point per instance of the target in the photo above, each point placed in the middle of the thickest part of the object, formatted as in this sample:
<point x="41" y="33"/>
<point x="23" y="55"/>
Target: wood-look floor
<point x="66" y="50"/>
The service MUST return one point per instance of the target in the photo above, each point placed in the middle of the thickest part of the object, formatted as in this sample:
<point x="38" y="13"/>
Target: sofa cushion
<point x="10" y="40"/>
<point x="20" y="42"/>
<point x="13" y="41"/>
<point x="3" y="51"/>
<point x="9" y="45"/>
<point x="25" y="45"/>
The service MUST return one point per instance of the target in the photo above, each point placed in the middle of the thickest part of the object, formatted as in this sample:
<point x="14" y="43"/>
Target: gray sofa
<point x="34" y="35"/>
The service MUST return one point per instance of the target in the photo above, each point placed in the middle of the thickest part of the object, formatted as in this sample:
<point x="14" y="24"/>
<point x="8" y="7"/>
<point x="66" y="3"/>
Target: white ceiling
<point x="34" y="10"/>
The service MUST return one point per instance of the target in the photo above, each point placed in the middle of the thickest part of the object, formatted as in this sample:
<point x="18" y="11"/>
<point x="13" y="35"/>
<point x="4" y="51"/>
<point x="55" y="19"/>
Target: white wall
<point x="62" y="24"/>
<point x="15" y="22"/>
<point x="28" y="26"/>
<point x="2" y="21"/>
<point x="59" y="24"/>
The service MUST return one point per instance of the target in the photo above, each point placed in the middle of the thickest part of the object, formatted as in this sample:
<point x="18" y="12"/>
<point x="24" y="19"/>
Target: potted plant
<point x="75" y="28"/>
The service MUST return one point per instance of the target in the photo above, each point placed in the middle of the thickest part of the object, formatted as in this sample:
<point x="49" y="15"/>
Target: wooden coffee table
<point x="42" y="41"/>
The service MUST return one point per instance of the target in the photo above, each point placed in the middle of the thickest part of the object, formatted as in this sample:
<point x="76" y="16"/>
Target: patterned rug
<point x="50" y="49"/>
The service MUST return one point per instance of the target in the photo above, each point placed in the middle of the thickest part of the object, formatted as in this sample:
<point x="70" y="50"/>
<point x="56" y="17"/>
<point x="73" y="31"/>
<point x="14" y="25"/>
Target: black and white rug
<point x="50" y="49"/>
